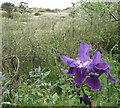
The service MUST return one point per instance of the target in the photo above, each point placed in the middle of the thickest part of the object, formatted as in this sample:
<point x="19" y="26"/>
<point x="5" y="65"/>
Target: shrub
<point x="49" y="10"/>
<point x="37" y="14"/>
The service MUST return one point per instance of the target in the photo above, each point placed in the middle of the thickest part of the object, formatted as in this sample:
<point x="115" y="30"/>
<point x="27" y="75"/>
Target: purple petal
<point x="65" y="71"/>
<point x="97" y="57"/>
<point x="37" y="85"/>
<point x="111" y="78"/>
<point x="93" y="82"/>
<point x="3" y="88"/>
<point x="38" y="80"/>
<point x="83" y="52"/>
<point x="102" y="67"/>
<point x="2" y="78"/>
<point x="69" y="62"/>
<point x="81" y="75"/>
<point x="49" y="84"/>
<point x="72" y="71"/>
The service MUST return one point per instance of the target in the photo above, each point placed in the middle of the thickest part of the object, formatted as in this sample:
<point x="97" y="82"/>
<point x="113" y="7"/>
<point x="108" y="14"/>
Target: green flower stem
<point x="82" y="90"/>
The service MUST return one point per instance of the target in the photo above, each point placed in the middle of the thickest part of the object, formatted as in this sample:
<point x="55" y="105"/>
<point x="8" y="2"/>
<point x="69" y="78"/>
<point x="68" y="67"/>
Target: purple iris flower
<point x="95" y="67"/>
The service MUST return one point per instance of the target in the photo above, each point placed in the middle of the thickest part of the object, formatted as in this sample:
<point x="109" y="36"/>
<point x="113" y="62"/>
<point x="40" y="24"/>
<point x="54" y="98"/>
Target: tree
<point x="23" y="6"/>
<point x="106" y="10"/>
<point x="8" y="7"/>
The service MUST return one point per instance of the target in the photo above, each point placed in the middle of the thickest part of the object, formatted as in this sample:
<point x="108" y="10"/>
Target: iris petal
<point x="93" y="82"/>
<point x="97" y="57"/>
<point x="72" y="71"/>
<point x="101" y="67"/>
<point x="83" y="52"/>
<point x="111" y="78"/>
<point x="81" y="75"/>
<point x="70" y="62"/>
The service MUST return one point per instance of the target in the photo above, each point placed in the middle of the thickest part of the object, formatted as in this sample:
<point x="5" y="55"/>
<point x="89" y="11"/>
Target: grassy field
<point x="35" y="44"/>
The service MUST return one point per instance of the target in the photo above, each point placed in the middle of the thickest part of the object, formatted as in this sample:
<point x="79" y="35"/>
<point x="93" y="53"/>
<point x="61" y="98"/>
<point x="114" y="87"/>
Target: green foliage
<point x="67" y="8"/>
<point x="8" y="7"/>
<point x="37" y="14"/>
<point x="61" y="91"/>
<point x="49" y="10"/>
<point x="19" y="10"/>
<point x="55" y="97"/>
<point x="101" y="12"/>
<point x="41" y="10"/>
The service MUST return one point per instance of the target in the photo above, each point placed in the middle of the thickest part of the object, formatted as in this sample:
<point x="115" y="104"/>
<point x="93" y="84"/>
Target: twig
<point x="14" y="56"/>
<point x="18" y="64"/>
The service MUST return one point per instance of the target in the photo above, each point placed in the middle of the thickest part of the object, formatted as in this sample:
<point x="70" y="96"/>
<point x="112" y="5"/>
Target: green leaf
<point x="46" y="74"/>
<point x="6" y="103"/>
<point x="55" y="97"/>
<point x="33" y="92"/>
<point x="65" y="87"/>
<point x="72" y="101"/>
<point x="16" y="100"/>
<point x="54" y="85"/>
<point x="39" y="94"/>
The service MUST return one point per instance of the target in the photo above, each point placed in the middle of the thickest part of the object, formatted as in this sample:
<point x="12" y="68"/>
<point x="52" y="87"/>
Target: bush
<point x="49" y="10"/>
<point x="37" y="14"/>
<point x="42" y="10"/>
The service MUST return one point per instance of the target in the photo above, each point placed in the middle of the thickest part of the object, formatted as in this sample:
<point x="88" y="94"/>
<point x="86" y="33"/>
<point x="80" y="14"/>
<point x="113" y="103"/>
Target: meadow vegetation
<point x="32" y="48"/>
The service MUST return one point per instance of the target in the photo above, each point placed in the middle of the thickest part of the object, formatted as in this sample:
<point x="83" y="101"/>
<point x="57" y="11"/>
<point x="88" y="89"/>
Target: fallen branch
<point x="14" y="56"/>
